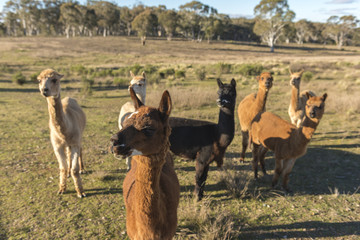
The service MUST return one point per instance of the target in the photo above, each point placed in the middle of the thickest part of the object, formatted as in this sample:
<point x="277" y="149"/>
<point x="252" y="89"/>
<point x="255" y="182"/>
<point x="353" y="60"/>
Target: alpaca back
<point x="246" y="111"/>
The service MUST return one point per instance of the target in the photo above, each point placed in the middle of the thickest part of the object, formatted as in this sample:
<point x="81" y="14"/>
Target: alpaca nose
<point x="312" y="114"/>
<point x="45" y="90"/>
<point x="114" y="138"/>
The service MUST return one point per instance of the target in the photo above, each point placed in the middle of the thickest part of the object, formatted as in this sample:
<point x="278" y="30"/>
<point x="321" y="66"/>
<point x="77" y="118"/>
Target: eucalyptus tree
<point x="144" y="24"/>
<point x="108" y="15"/>
<point x="304" y="31"/>
<point x="169" y="21"/>
<point x="70" y="17"/>
<point x="271" y="18"/>
<point x="339" y="29"/>
<point x="50" y="17"/>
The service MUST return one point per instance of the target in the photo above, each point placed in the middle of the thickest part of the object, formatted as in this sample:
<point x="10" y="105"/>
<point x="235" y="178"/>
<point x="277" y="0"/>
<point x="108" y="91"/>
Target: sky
<point x="313" y="10"/>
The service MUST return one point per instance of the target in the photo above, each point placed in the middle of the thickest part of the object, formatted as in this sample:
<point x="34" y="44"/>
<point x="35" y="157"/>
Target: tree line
<point x="273" y="22"/>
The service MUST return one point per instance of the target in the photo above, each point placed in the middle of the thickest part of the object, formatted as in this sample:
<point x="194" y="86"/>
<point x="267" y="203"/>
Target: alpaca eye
<point x="140" y="85"/>
<point x="54" y="80"/>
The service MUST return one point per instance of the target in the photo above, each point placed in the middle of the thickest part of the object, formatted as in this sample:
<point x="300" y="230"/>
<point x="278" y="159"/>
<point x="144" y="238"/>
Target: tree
<point x="145" y="23"/>
<point x="108" y="15"/>
<point x="70" y="17"/>
<point x="304" y="31"/>
<point x="169" y="21"/>
<point x="271" y="18"/>
<point x="339" y="29"/>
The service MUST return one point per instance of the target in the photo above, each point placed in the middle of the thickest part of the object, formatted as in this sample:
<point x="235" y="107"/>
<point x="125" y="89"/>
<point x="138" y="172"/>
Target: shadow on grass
<point x="311" y="229"/>
<point x="23" y="90"/>
<point x="102" y="191"/>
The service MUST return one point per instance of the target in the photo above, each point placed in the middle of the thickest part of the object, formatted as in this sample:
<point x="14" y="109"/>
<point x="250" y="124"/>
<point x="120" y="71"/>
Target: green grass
<point x="326" y="198"/>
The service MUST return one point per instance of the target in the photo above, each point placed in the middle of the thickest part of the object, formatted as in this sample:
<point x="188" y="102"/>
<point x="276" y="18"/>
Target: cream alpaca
<point x="269" y="131"/>
<point x="138" y="84"/>
<point x="151" y="189"/>
<point x="250" y="106"/>
<point x="298" y="101"/>
<point x="67" y="123"/>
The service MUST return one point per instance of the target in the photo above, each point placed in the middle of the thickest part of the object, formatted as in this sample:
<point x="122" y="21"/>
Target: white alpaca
<point x="138" y="84"/>
<point x="67" y="123"/>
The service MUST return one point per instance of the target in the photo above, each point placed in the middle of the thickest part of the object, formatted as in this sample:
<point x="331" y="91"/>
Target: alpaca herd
<point x="149" y="137"/>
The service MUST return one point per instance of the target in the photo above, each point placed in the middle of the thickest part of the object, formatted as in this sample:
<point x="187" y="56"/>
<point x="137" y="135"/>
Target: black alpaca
<point x="205" y="141"/>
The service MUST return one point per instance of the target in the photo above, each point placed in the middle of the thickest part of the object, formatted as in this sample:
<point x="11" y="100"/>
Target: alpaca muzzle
<point x="118" y="147"/>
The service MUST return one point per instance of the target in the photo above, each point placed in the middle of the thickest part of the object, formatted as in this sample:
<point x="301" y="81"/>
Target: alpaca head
<point x="295" y="78"/>
<point x="265" y="81"/>
<point x="138" y="84"/>
<point x="49" y="83"/>
<point x="315" y="106"/>
<point x="227" y="94"/>
<point x="146" y="130"/>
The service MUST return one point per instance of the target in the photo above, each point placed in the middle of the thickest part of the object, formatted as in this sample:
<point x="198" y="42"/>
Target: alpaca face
<point x="227" y="94"/>
<point x="145" y="130"/>
<point x="138" y="84"/>
<point x="49" y="83"/>
<point x="295" y="78"/>
<point x="315" y="106"/>
<point x="265" y="80"/>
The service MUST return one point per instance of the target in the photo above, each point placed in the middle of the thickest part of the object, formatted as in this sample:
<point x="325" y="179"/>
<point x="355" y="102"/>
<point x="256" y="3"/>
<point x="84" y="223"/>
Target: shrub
<point x="223" y="68"/>
<point x="135" y="68"/>
<point x="250" y="69"/>
<point x="33" y="77"/>
<point x="150" y="69"/>
<point x="200" y="73"/>
<point x="166" y="72"/>
<point x="307" y="76"/>
<point x="120" y="82"/>
<point x="86" y="85"/>
<point x="80" y="69"/>
<point x="19" y="78"/>
<point x="180" y="74"/>
<point x="119" y="72"/>
<point x="5" y="68"/>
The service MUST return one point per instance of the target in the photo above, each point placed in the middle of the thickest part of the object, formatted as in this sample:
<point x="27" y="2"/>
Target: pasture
<point x="325" y="202"/>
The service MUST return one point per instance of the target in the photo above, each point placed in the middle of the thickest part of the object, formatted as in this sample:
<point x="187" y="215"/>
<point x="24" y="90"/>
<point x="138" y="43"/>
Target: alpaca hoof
<point x="241" y="160"/>
<point x="81" y="195"/>
<point x="83" y="171"/>
<point x="61" y="191"/>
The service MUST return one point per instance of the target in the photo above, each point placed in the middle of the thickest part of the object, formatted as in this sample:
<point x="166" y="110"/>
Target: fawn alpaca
<point x="151" y="188"/>
<point x="269" y="131"/>
<point x="67" y="123"/>
<point x="250" y="106"/>
<point x="298" y="100"/>
<point x="206" y="141"/>
<point x="138" y="84"/>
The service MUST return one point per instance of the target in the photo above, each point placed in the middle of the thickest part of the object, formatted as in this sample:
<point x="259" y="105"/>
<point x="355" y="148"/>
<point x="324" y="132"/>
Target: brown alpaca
<point x="298" y="100"/>
<point x="151" y="188"/>
<point x="67" y="122"/>
<point x="250" y="106"/>
<point x="269" y="131"/>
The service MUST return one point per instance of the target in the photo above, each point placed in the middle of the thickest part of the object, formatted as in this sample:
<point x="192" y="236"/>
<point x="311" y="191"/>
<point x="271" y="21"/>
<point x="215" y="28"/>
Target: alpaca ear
<point x="132" y="74"/>
<point x="135" y="99"/>
<point x="308" y="95"/>
<point x="59" y="76"/>
<point x="324" y="97"/>
<point x="165" y="105"/>
<point x="301" y="72"/>
<point x="144" y="75"/>
<point x="233" y="83"/>
<point x="290" y="71"/>
<point x="220" y="83"/>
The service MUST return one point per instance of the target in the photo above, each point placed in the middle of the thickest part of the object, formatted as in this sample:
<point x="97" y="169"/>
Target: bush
<point x="119" y="72"/>
<point x="166" y="72"/>
<point x="120" y="82"/>
<point x="180" y="74"/>
<point x="80" y="69"/>
<point x="307" y="76"/>
<point x="33" y="77"/>
<point x="19" y="78"/>
<point x="250" y="69"/>
<point x="200" y="73"/>
<point x="86" y="85"/>
<point x="223" y="68"/>
<point x="135" y="68"/>
<point x="150" y="69"/>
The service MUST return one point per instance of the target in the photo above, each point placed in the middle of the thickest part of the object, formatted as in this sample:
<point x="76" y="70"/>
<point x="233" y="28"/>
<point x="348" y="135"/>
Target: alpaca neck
<point x="308" y="128"/>
<point x="226" y="126"/>
<point x="294" y="103"/>
<point x="260" y="100"/>
<point x="141" y="97"/>
<point x="148" y="201"/>
<point x="56" y="113"/>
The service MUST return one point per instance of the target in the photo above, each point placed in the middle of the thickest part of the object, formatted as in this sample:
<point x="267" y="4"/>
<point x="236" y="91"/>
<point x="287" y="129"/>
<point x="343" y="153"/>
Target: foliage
<point x="33" y="77"/>
<point x="169" y="20"/>
<point x="19" y="78"/>
<point x="164" y="73"/>
<point x="223" y="68"/>
<point x="307" y="76"/>
<point x="121" y="82"/>
<point x="249" y="69"/>
<point x="200" y="73"/>
<point x="180" y="73"/>
<point x="144" y="23"/>
<point x="339" y="28"/>
<point x="87" y="86"/>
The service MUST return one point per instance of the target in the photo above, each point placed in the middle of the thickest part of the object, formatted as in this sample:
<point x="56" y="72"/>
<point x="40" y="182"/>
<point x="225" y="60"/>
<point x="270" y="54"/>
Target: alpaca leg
<point x="68" y="158"/>
<point x="277" y="172"/>
<point x="288" y="165"/>
<point x="255" y="153"/>
<point x="245" y="142"/>
<point x="262" y="152"/>
<point x="61" y="157"/>
<point x="200" y="178"/>
<point x="81" y="163"/>
<point x="75" y="154"/>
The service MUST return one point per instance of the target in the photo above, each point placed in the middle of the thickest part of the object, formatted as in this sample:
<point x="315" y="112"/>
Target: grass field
<point x="325" y="202"/>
